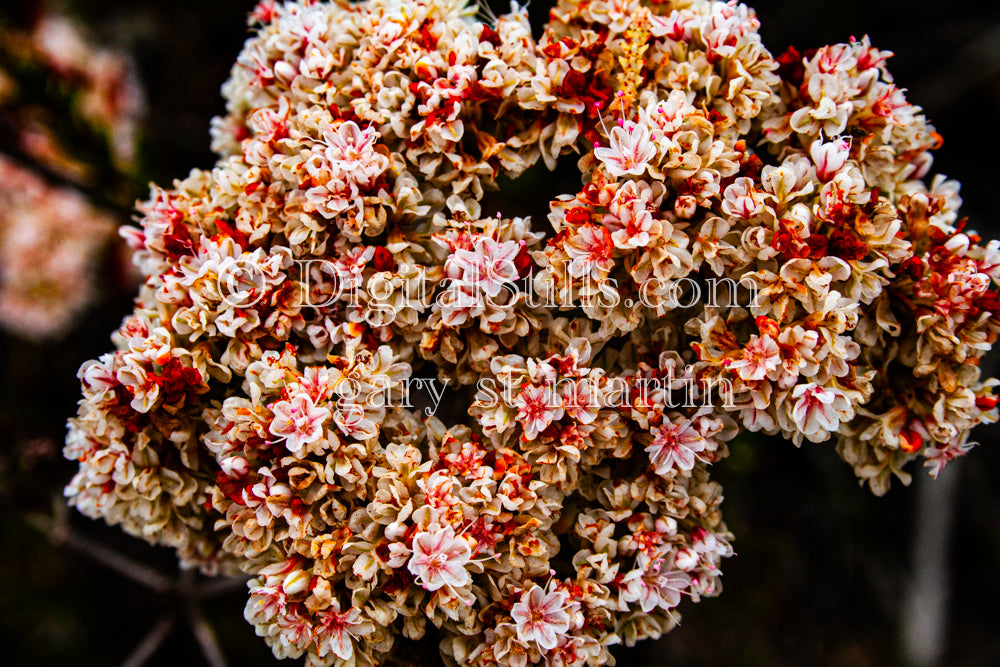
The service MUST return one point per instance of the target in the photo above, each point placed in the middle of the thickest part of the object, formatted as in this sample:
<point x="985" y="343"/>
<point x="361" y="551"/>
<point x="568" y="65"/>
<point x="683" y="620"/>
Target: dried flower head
<point x="731" y="261"/>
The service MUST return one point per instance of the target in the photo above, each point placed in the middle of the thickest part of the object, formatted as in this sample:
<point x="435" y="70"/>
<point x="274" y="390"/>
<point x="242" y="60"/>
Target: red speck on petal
<point x="767" y="326"/>
<point x="425" y="38"/>
<point x="986" y="402"/>
<point x="522" y="261"/>
<point x="579" y="215"/>
<point x="488" y="34"/>
<point x="225" y="229"/>
<point x="790" y="67"/>
<point x="914" y="267"/>
<point x="910" y="441"/>
<point x="383" y="260"/>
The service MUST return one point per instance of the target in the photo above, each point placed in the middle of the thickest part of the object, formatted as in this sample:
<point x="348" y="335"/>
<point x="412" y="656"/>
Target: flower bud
<point x="686" y="559"/>
<point x="830" y="157"/>
<point x="235" y="466"/>
<point x="296" y="582"/>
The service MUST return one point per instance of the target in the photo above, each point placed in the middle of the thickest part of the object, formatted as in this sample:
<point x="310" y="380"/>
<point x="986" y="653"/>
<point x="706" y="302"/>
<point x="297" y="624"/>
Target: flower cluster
<point x="56" y="59"/>
<point x="51" y="240"/>
<point x="70" y="112"/>
<point x="250" y="416"/>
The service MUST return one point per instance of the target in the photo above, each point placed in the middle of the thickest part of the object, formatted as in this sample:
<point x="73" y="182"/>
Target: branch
<point x="150" y="643"/>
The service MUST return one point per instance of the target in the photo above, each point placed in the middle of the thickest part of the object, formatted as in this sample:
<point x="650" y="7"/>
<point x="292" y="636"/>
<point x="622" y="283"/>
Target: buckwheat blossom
<point x="630" y="150"/>
<point x="541" y="617"/>
<point x="336" y="631"/>
<point x="740" y="200"/>
<point x="351" y="152"/>
<point x="416" y="410"/>
<point x="818" y="410"/>
<point x="298" y="422"/>
<point x="654" y="584"/>
<point x="829" y="157"/>
<point x="675" y="446"/>
<point x="760" y="357"/>
<point x="51" y="239"/>
<point x="537" y="407"/>
<point x="486" y="267"/>
<point x="439" y="559"/>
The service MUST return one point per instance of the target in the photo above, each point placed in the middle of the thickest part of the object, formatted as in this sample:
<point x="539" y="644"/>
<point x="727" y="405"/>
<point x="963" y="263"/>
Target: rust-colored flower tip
<point x="405" y="416"/>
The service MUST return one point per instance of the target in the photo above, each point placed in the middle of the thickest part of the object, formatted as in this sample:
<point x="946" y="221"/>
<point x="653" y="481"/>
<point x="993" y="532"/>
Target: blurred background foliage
<point x="822" y="567"/>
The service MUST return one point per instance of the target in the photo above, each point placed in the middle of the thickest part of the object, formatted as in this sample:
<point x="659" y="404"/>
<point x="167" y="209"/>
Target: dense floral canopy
<point x="259" y="413"/>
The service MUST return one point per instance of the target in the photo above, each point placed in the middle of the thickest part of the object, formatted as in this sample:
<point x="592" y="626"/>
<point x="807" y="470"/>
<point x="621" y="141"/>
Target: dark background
<point x="822" y="566"/>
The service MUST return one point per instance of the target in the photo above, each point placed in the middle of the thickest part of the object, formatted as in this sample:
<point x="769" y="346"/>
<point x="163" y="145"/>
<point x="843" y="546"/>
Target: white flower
<point x="818" y="410"/>
<point x="542" y="617"/>
<point x="537" y="407"/>
<point x="352" y="420"/>
<point x="667" y="115"/>
<point x="439" y="559"/>
<point x="675" y="446"/>
<point x="267" y="497"/>
<point x="97" y="377"/>
<point x="829" y="117"/>
<point x="141" y="384"/>
<point x="792" y="178"/>
<point x="761" y="356"/>
<point x="335" y="630"/>
<point x="298" y="422"/>
<point x="631" y="150"/>
<point x="265" y="603"/>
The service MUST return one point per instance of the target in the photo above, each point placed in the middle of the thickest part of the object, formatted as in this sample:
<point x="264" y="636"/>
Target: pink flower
<point x="298" y="422"/>
<point x="633" y="224"/>
<point x="761" y="356"/>
<point x="579" y="400"/>
<point x="439" y="559"/>
<point x="486" y="267"/>
<point x="652" y="585"/>
<point x="542" y="617"/>
<point x="631" y="150"/>
<point x="740" y="201"/>
<point x="348" y="163"/>
<point x="351" y="151"/>
<point x="675" y="446"/>
<point x="589" y="250"/>
<point x="537" y="407"/>
<point x="335" y="630"/>
<point x="817" y="412"/>
<point x="316" y="382"/>
<point x="938" y="456"/>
